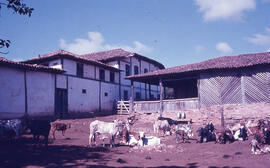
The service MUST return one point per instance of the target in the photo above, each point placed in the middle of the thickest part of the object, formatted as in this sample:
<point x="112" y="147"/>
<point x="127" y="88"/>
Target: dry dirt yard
<point x="71" y="150"/>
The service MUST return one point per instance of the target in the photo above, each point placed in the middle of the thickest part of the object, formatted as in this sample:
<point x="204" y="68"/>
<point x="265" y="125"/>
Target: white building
<point x="75" y="84"/>
<point x="26" y="89"/>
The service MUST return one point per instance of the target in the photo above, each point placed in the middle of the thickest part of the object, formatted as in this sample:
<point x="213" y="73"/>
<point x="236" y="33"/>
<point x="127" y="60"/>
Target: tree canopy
<point x="17" y="7"/>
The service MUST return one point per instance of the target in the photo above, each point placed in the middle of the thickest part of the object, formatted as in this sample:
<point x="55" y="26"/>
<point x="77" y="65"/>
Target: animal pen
<point x="231" y="80"/>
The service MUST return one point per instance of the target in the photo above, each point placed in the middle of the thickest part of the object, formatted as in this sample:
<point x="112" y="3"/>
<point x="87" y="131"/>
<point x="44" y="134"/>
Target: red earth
<point x="71" y="150"/>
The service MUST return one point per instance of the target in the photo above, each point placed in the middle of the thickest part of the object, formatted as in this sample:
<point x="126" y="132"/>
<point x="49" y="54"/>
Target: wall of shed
<point x="40" y="93"/>
<point x="12" y="92"/>
<point x="235" y="87"/>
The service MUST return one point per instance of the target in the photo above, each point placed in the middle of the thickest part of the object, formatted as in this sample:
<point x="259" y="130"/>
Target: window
<point x="138" y="96"/>
<point x="105" y="94"/>
<point x="84" y="91"/>
<point x="112" y="77"/>
<point x="127" y="70"/>
<point x="102" y="75"/>
<point x="80" y="69"/>
<point x="125" y="95"/>
<point x="136" y="70"/>
<point x="145" y="70"/>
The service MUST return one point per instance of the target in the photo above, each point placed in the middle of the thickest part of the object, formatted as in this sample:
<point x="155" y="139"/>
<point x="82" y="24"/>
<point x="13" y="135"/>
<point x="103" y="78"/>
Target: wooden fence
<point x="172" y="105"/>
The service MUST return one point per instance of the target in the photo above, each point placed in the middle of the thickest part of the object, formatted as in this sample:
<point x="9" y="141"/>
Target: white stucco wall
<point x="61" y="81"/>
<point x="123" y="73"/>
<point x="107" y="102"/>
<point x="55" y="62"/>
<point x="79" y="102"/>
<point x="135" y="62"/>
<point x="97" y="73"/>
<point x="89" y="71"/>
<point x="70" y="66"/>
<point x="12" y="93"/>
<point x="40" y="93"/>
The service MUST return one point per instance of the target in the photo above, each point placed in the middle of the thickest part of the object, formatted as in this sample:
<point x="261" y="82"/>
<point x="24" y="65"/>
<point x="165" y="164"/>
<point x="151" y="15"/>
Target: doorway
<point x="61" y="103"/>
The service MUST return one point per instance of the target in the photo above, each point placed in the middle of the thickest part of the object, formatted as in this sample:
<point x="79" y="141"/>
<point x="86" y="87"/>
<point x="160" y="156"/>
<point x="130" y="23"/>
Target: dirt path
<point x="71" y="151"/>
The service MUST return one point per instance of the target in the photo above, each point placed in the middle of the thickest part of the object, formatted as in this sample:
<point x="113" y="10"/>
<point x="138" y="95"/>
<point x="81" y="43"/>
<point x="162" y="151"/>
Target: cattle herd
<point x="258" y="132"/>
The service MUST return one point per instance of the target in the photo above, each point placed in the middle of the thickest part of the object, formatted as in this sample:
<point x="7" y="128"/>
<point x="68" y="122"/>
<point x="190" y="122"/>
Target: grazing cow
<point x="224" y="136"/>
<point x="10" y="128"/>
<point x="206" y="134"/>
<point x="161" y="125"/>
<point x="57" y="126"/>
<point x="181" y="134"/>
<point x="106" y="130"/>
<point x="39" y="128"/>
<point x="241" y="134"/>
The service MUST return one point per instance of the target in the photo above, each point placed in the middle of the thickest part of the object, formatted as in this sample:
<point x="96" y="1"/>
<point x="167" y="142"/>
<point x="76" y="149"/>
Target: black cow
<point x="39" y="128"/>
<point x="206" y="134"/>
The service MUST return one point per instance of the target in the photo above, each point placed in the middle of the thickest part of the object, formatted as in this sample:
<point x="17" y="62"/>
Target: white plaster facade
<point x="39" y="93"/>
<point x="26" y="92"/>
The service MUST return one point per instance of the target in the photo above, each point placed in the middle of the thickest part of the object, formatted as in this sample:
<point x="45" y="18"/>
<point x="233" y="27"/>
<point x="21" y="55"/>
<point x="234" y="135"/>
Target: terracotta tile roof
<point x="32" y="67"/>
<point x="65" y="54"/>
<point x="115" y="54"/>
<point x="225" y="62"/>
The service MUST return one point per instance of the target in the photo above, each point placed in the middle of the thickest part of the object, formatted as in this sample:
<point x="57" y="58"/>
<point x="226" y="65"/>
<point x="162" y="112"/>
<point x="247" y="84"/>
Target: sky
<point x="173" y="32"/>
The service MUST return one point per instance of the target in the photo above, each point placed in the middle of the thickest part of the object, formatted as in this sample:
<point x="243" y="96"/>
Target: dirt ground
<point x="71" y="150"/>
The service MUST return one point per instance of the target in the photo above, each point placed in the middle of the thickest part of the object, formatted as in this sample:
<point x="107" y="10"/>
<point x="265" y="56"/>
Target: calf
<point x="39" y="128"/>
<point x="57" y="126"/>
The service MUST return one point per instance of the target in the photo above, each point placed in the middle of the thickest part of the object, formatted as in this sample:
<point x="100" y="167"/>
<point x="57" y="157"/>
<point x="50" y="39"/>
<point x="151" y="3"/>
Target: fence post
<point x="131" y="102"/>
<point x="161" y="96"/>
<point x="222" y="117"/>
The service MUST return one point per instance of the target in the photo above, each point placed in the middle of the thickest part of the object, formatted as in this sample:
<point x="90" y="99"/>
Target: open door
<point x="61" y="105"/>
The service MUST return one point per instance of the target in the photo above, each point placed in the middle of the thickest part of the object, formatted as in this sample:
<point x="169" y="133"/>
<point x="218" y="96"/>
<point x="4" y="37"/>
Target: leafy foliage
<point x="17" y="7"/>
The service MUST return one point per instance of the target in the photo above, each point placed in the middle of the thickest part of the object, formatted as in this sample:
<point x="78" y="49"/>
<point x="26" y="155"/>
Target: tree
<point x="17" y="7"/>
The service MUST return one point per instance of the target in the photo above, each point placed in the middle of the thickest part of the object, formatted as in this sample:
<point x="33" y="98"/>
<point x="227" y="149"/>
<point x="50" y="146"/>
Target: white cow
<point x="106" y="130"/>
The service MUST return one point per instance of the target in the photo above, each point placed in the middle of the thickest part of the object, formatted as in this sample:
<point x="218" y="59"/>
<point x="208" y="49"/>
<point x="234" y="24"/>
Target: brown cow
<point x="57" y="126"/>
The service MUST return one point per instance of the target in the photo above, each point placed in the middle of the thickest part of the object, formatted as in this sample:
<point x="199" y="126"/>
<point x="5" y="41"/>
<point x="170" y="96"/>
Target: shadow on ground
<point x="24" y="152"/>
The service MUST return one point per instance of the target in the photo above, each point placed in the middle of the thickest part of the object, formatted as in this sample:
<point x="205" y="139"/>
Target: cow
<point x="106" y="130"/>
<point x="11" y="128"/>
<point x="241" y="133"/>
<point x="224" y="136"/>
<point x="183" y="132"/>
<point x="39" y="128"/>
<point x="161" y="125"/>
<point x="57" y="126"/>
<point x="206" y="133"/>
<point x="255" y="149"/>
